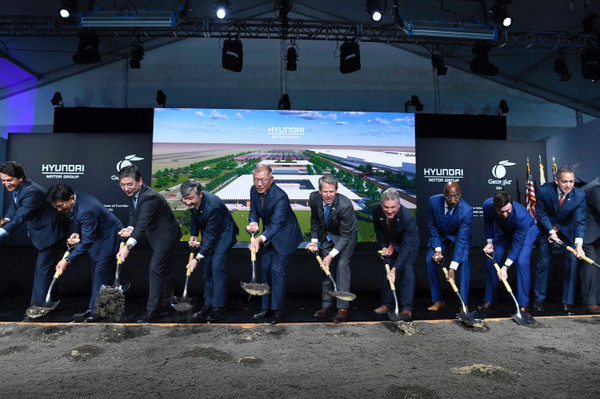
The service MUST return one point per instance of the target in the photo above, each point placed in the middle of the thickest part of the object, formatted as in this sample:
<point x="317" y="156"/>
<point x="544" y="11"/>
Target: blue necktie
<point x="447" y="218"/>
<point x="15" y="195"/>
<point x="135" y="202"/>
<point x="327" y="217"/>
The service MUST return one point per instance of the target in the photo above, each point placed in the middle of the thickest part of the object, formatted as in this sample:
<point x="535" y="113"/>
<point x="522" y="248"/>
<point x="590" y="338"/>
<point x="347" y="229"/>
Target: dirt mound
<point x="496" y="373"/>
<point x="84" y="352"/>
<point x="110" y="303"/>
<point x="113" y="333"/>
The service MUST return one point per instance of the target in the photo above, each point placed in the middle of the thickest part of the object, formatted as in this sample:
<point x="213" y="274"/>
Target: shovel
<point x="464" y="315"/>
<point x="254" y="288"/>
<point x="394" y="316"/>
<point x="117" y="284"/>
<point x="574" y="252"/>
<point x="183" y="303"/>
<point x="111" y="301"/>
<point x="35" y="311"/>
<point x="517" y="316"/>
<point x="343" y="295"/>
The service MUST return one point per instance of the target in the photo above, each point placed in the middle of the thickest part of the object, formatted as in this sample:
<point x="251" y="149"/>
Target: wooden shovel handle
<point x="503" y="280"/>
<point x="451" y="281"/>
<point x="119" y="260"/>
<point x="585" y="258"/>
<point x="387" y="271"/>
<point x="189" y="272"/>
<point x="321" y="264"/>
<point x="253" y="251"/>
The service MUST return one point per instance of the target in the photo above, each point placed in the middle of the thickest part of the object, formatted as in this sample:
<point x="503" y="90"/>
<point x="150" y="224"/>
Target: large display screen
<point x="368" y="152"/>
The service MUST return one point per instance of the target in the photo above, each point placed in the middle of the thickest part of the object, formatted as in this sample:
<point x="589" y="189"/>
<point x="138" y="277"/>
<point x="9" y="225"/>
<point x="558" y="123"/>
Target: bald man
<point x="449" y="222"/>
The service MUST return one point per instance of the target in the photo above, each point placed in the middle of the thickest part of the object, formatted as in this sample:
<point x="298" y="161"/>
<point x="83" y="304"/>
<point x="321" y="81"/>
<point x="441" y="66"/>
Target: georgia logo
<point x="499" y="171"/>
<point x="127" y="161"/>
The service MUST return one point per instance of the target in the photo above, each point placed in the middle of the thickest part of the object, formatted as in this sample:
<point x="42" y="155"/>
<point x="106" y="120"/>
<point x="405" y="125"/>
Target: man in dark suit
<point x="449" y="222"/>
<point x="210" y="216"/>
<point x="560" y="209"/>
<point x="281" y="235"/>
<point x="333" y="224"/>
<point x="46" y="228"/>
<point x="150" y="218"/>
<point x="97" y="230"/>
<point x="398" y="235"/>
<point x="508" y="224"/>
<point x="590" y="274"/>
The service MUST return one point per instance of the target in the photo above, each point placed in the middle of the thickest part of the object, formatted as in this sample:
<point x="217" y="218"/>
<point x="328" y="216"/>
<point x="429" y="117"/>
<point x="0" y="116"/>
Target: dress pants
<point x="541" y="274"/>
<point x="340" y="267"/>
<point x="405" y="282"/>
<point x="463" y="277"/>
<point x="215" y="280"/>
<point x="45" y="267"/>
<point x="272" y="270"/>
<point x="160" y="279"/>
<point x="590" y="275"/>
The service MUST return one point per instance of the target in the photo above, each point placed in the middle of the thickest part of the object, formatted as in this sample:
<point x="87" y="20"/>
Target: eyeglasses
<point x="128" y="185"/>
<point x="263" y="181"/>
<point x="453" y="197"/>
<point x="61" y="206"/>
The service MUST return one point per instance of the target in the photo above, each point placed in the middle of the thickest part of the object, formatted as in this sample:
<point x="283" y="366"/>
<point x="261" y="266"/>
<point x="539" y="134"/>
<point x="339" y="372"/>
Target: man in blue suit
<point x="46" y="228"/>
<point x="590" y="274"/>
<point x="210" y="216"/>
<point x="508" y="224"/>
<point x="449" y="222"/>
<point x="97" y="230"/>
<point x="560" y="209"/>
<point x="398" y="236"/>
<point x="281" y="235"/>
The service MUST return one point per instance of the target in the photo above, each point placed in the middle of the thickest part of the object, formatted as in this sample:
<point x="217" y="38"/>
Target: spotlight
<point x="137" y="55"/>
<point x="57" y="100"/>
<point x="374" y="9"/>
<point x="292" y="57"/>
<point x="221" y="8"/>
<point x="233" y="55"/>
<point x="480" y="64"/>
<point x="590" y="64"/>
<point x="500" y="15"/>
<point x="349" y="57"/>
<point x="561" y="68"/>
<point x="438" y="63"/>
<point x="284" y="102"/>
<point x="503" y="108"/>
<point x="68" y="8"/>
<point x="87" y="49"/>
<point x="161" y="98"/>
<point x="414" y="102"/>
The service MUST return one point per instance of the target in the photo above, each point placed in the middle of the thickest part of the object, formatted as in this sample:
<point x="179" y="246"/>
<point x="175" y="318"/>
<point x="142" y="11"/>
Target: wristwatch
<point x="129" y="247"/>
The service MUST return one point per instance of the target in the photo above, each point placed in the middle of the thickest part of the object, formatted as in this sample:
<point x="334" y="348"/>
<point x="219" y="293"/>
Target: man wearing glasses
<point x="97" y="231"/>
<point x="46" y="228"/>
<point x="449" y="222"/>
<point x="281" y="235"/>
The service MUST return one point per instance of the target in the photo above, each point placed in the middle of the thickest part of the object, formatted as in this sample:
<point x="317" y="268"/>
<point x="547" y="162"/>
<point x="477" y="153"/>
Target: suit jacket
<point x="45" y="225"/>
<point x="341" y="225"/>
<point x="570" y="218"/>
<point x="403" y="234"/>
<point x="280" y="225"/>
<point x="458" y="231"/>
<point x="517" y="225"/>
<point x="153" y="220"/>
<point x="97" y="227"/>
<point x="215" y="222"/>
<point x="592" y="212"/>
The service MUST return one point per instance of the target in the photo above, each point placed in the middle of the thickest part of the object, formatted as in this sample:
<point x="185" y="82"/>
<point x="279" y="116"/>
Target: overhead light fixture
<point x="438" y="63"/>
<point x="449" y="30"/>
<point x="374" y="9"/>
<point x="292" y="57"/>
<point x="87" y="49"/>
<point x="414" y="102"/>
<point x="222" y="7"/>
<point x="284" y="102"/>
<point x="503" y="108"/>
<point x="590" y="64"/>
<point x="233" y="55"/>
<point x="161" y="98"/>
<point x="561" y="68"/>
<point x="480" y="64"/>
<point x="349" y="57"/>
<point x="68" y="8"/>
<point x="499" y="13"/>
<point x="57" y="100"/>
<point x="141" y="19"/>
<point x="137" y="54"/>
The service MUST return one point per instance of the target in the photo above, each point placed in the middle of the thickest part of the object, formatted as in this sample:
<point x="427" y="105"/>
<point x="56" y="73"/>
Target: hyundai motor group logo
<point x="499" y="171"/>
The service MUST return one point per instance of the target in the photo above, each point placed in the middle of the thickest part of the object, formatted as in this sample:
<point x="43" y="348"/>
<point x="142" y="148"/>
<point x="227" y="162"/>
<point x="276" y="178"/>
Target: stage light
<point x="284" y="102"/>
<point x="503" y="108"/>
<point x="137" y="55"/>
<point x="68" y="8"/>
<point x="87" y="49"/>
<point x="222" y="7"/>
<point x="374" y="9"/>
<point x="232" y="55"/>
<point x="57" y="100"/>
<point x="161" y="98"/>
<point x="438" y="63"/>
<point x="561" y="68"/>
<point x="414" y="102"/>
<point x="292" y="57"/>
<point x="349" y="57"/>
<point x="590" y="64"/>
<point x="499" y="14"/>
<point x="480" y="64"/>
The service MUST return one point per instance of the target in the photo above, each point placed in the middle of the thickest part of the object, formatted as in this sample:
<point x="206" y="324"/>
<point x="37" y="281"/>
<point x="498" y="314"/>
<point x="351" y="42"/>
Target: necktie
<point x="502" y="222"/>
<point x="561" y="200"/>
<point x="262" y="200"/>
<point x="447" y="218"/>
<point x="326" y="214"/>
<point x="15" y="195"/>
<point x="390" y="247"/>
<point x="135" y="202"/>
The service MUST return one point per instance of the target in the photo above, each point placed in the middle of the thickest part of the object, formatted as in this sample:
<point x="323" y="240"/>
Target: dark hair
<point x="501" y="198"/>
<point x="130" y="171"/>
<point x="189" y="185"/>
<point x="564" y="169"/>
<point x="60" y="192"/>
<point x="13" y="169"/>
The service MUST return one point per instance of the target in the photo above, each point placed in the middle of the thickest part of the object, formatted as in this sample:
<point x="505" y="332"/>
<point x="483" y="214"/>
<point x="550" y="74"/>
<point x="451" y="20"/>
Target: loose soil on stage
<point x="557" y="358"/>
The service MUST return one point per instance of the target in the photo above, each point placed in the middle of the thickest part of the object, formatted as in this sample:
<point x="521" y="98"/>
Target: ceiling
<point x="41" y="44"/>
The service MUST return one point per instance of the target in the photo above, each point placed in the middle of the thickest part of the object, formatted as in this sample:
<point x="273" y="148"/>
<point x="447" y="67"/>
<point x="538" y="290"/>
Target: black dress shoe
<point x="201" y="314"/>
<point x="567" y="309"/>
<point x="538" y="306"/>
<point x="263" y="313"/>
<point x="277" y="317"/>
<point x="216" y="314"/>
<point x="149" y="317"/>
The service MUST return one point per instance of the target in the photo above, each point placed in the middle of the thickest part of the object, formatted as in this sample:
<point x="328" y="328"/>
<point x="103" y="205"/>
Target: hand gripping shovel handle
<point x="585" y="258"/>
<point x="189" y="272"/>
<point x="451" y="281"/>
<point x="498" y="271"/>
<point x="321" y="265"/>
<point x="387" y="271"/>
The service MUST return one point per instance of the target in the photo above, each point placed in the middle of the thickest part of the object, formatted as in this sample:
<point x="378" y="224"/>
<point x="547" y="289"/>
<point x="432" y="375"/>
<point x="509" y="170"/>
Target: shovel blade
<point x="393" y="315"/>
<point x="256" y="289"/>
<point x="182" y="304"/>
<point x="343" y="295"/>
<point x="520" y="320"/>
<point x="35" y="311"/>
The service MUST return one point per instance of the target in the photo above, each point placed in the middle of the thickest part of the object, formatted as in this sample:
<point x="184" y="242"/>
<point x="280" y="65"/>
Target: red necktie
<point x="390" y="248"/>
<point x="561" y="200"/>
